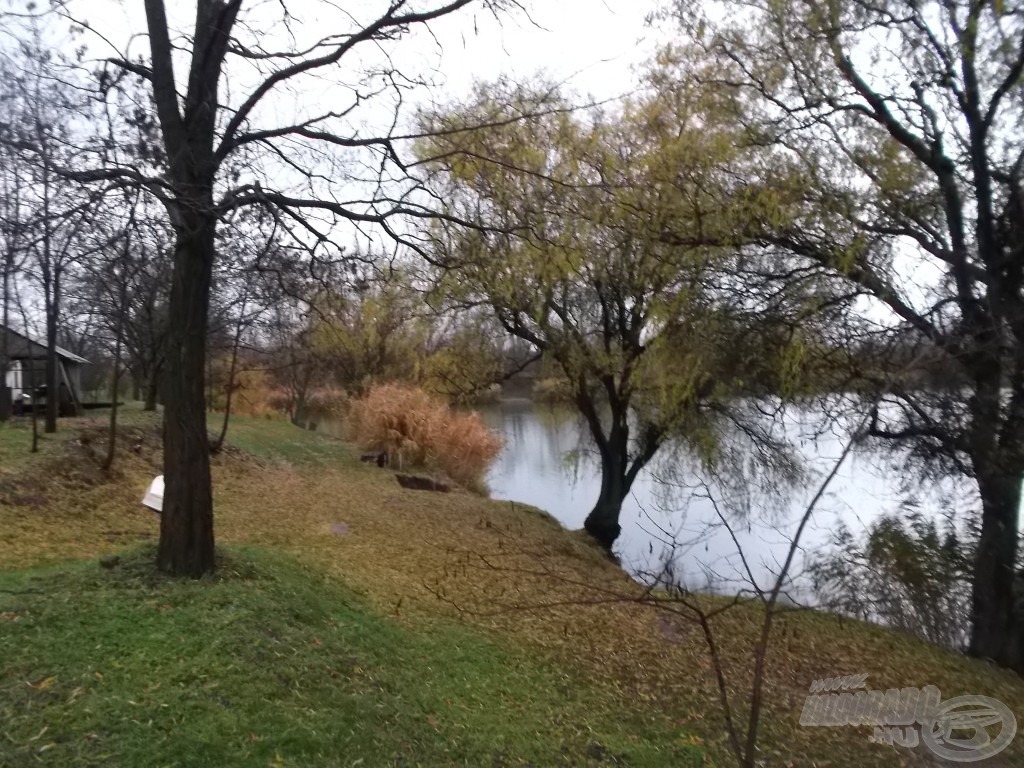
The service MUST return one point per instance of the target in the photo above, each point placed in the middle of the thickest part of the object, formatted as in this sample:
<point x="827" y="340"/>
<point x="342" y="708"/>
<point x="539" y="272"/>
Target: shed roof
<point x="21" y="347"/>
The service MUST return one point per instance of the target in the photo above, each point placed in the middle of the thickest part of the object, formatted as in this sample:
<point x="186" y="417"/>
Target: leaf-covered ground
<point x="506" y="576"/>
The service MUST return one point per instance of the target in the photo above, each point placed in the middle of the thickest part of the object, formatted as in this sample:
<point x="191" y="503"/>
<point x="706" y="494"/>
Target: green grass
<point x="270" y="439"/>
<point x="279" y="440"/>
<point x="16" y="443"/>
<point x="270" y="664"/>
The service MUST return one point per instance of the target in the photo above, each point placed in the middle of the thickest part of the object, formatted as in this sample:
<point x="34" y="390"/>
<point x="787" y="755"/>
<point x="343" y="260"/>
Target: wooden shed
<point x="27" y="370"/>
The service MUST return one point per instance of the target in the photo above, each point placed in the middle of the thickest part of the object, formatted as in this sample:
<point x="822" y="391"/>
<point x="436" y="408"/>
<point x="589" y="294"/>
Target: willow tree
<point x="900" y="124"/>
<point x="592" y="250"/>
<point x="281" y="138"/>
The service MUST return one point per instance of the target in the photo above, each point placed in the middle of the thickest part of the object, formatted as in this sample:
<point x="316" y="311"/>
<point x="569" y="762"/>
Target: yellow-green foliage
<point x="464" y="369"/>
<point x="418" y="429"/>
<point x="254" y="394"/>
<point x="371" y="335"/>
<point x="624" y="264"/>
<point x="553" y="389"/>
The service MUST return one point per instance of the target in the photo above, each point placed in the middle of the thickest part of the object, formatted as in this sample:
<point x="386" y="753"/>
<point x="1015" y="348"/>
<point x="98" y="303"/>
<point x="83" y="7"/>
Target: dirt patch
<point x="417" y="483"/>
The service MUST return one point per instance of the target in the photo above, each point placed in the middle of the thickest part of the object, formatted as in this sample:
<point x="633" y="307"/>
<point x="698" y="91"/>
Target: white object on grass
<point x="154" y="498"/>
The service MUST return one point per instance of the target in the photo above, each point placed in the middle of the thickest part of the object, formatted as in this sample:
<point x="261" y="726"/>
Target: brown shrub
<point x="417" y="429"/>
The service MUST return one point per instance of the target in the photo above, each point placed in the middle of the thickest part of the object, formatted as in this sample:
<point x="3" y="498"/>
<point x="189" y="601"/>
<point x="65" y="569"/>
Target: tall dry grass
<point x="418" y="429"/>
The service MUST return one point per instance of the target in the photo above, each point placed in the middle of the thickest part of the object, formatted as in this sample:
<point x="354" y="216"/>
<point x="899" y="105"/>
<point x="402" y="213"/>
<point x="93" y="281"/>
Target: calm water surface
<point x="548" y="463"/>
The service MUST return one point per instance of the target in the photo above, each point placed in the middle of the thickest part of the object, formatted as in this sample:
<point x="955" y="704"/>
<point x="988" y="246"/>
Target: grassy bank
<point x="482" y="631"/>
<point x="271" y="664"/>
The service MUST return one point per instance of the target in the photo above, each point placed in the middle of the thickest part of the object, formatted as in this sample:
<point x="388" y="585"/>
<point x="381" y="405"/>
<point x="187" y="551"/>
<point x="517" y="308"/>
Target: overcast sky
<point x="591" y="45"/>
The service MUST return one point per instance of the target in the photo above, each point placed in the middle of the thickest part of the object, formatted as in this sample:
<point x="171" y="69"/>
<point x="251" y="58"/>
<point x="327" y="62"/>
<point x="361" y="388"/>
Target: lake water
<point x="548" y="463"/>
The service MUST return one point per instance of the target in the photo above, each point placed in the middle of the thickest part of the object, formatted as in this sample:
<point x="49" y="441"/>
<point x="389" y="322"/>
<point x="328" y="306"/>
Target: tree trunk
<point x="29" y="367"/>
<point x="603" y="521"/>
<point x="5" y="360"/>
<point x="617" y="472"/>
<point x="230" y="389"/>
<point x="122" y="311"/>
<point x="108" y="462"/>
<point x="299" y="409"/>
<point x="186" y="523"/>
<point x="52" y="369"/>
<point x="51" y="301"/>
<point x="993" y="634"/>
<point x="152" y="388"/>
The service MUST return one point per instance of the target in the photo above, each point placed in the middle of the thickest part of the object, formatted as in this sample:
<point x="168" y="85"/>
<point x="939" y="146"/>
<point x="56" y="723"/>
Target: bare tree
<point x="291" y="171"/>
<point x="252" y="247"/>
<point x="108" y="279"/>
<point x="42" y="111"/>
<point x="677" y="599"/>
<point x="146" y="322"/>
<point x="12" y="235"/>
<point x="29" y="367"/>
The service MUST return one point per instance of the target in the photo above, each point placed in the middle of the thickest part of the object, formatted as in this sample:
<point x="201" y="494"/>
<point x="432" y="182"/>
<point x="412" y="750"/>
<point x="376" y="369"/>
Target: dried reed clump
<point x="417" y="429"/>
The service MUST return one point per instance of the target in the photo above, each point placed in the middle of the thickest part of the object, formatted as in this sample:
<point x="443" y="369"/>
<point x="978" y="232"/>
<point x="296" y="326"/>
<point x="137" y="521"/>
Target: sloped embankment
<point x="536" y="591"/>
